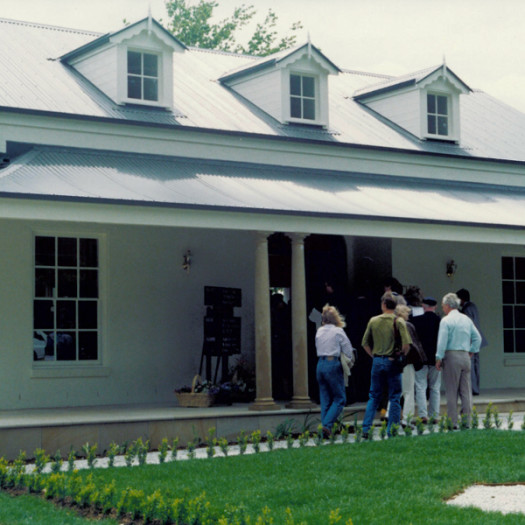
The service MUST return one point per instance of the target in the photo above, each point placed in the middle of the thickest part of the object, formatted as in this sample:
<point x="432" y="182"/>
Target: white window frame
<point x="301" y="97"/>
<point x="144" y="77"/>
<point x="53" y="363"/>
<point x="437" y="115"/>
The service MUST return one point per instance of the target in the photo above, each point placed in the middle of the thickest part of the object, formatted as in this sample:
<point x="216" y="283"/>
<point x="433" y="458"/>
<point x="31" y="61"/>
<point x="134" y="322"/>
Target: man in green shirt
<point x="378" y="342"/>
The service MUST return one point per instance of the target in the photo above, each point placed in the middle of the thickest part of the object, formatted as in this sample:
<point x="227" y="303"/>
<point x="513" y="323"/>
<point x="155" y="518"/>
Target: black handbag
<point x="400" y="358"/>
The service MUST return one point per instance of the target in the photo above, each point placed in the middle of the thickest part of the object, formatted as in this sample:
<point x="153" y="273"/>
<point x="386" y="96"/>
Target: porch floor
<point x="55" y="429"/>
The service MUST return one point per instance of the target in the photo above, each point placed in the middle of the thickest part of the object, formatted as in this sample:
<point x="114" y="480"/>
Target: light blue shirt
<point x="457" y="332"/>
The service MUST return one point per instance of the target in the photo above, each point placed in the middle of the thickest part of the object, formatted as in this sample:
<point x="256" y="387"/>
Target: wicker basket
<point x="195" y="399"/>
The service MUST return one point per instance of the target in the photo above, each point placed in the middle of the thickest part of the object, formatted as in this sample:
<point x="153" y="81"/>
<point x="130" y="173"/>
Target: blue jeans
<point x="331" y="390"/>
<point x="384" y="372"/>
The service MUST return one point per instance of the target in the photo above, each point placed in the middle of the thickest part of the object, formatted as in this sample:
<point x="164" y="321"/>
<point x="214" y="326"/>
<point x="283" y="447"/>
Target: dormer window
<point x="437" y="115"/>
<point x="143" y="76"/>
<point x="132" y="66"/>
<point x="302" y="97"/>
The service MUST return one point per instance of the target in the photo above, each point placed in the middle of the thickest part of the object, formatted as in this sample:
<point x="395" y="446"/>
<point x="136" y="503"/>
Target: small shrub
<point x="284" y="428"/>
<point x="463" y="422"/>
<point x="394" y="430"/>
<point x="90" y="451"/>
<point x="56" y="464"/>
<point x="497" y="419"/>
<point x="141" y="450"/>
<point x="71" y="458"/>
<point x="112" y="453"/>
<point x="224" y="446"/>
<point x="270" y="440"/>
<point x="383" y="429"/>
<point x="211" y="441"/>
<point x="242" y="440"/>
<point x="190" y="447"/>
<point x="256" y="441"/>
<point x="474" y="420"/>
<point x="318" y="438"/>
<point x="510" y="421"/>
<point x="41" y="460"/>
<point x="420" y="426"/>
<point x="304" y="437"/>
<point x="487" y="420"/>
<point x="344" y="433"/>
<point x="174" y="448"/>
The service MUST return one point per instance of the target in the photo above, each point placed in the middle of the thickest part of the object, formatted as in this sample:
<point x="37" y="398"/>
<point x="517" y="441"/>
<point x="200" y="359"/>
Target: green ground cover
<point x="397" y="481"/>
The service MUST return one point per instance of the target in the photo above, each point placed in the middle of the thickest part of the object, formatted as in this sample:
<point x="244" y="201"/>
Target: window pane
<point x="150" y="65"/>
<point x="67" y="283"/>
<point x="39" y="345"/>
<point x="520" y="341"/>
<point x="88" y="283"/>
<point x="44" y="282"/>
<point x="89" y="253"/>
<point x="520" y="293"/>
<point x="43" y="315"/>
<point x="295" y="85"/>
<point x="520" y="267"/>
<point x="134" y="87"/>
<point x="87" y="346"/>
<point x="308" y="87"/>
<point x="508" y="292"/>
<point x="431" y="121"/>
<point x="295" y="107"/>
<point x="309" y="109"/>
<point x="519" y="316"/>
<point x="508" y="341"/>
<point x="66" y="314"/>
<point x="442" y="125"/>
<point x="45" y="251"/>
<point x="431" y="104"/>
<point x="67" y="251"/>
<point x="442" y="106"/>
<point x="66" y="346"/>
<point x="151" y="89"/>
<point x="87" y="314"/>
<point x="508" y="317"/>
<point x="134" y="63"/>
<point x="507" y="268"/>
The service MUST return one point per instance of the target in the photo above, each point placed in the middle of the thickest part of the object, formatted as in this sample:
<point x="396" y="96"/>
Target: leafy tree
<point x="192" y="25"/>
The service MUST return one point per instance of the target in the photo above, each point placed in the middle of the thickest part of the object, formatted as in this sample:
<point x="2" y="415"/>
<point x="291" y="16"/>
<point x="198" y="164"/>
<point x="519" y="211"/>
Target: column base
<point x="301" y="402"/>
<point x="264" y="403"/>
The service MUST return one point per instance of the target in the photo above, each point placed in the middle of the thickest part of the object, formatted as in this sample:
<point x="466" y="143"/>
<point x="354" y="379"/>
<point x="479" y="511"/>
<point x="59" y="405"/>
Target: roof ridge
<point x="49" y="26"/>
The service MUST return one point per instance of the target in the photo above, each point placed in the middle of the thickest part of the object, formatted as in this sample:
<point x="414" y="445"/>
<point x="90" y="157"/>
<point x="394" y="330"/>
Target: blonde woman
<point x="330" y="341"/>
<point x="416" y="354"/>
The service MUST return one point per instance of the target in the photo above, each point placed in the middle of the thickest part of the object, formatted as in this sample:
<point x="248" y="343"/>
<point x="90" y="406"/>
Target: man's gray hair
<point x="451" y="300"/>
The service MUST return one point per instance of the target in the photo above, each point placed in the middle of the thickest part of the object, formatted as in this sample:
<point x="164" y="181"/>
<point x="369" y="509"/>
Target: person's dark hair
<point x="464" y="295"/>
<point x="389" y="301"/>
<point x="413" y="296"/>
<point x="393" y="284"/>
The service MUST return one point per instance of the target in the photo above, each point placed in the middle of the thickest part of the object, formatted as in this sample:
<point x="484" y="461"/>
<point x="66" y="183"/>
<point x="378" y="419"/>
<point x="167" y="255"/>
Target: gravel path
<point x="499" y="498"/>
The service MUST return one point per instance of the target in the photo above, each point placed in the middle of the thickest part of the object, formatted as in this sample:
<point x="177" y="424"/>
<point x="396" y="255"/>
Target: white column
<point x="300" y="398"/>
<point x="263" y="335"/>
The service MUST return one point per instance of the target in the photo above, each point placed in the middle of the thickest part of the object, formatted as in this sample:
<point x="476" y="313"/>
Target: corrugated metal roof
<point x="120" y="178"/>
<point x="33" y="78"/>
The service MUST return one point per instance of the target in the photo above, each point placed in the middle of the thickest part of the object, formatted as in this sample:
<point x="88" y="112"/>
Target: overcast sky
<point x="483" y="41"/>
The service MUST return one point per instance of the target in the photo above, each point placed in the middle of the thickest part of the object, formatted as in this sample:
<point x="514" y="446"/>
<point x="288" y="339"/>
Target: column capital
<point x="297" y="236"/>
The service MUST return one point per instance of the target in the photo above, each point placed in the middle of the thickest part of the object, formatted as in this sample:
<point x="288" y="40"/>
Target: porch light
<point x="186" y="261"/>
<point x="451" y="268"/>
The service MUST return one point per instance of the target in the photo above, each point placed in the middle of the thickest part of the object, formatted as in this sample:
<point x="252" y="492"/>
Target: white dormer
<point x="425" y="103"/>
<point x="131" y="66"/>
<point x="291" y="86"/>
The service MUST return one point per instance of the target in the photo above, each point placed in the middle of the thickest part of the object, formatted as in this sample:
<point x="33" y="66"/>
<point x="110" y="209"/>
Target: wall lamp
<point x="451" y="268"/>
<point x="186" y="261"/>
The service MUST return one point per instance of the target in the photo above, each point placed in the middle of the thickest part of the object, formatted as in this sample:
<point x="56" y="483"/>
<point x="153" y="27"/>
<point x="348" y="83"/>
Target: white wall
<point x="153" y="319"/>
<point x="479" y="271"/>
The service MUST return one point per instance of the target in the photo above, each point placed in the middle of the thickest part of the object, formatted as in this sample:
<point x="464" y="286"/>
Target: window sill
<point x="56" y="372"/>
<point x="514" y="361"/>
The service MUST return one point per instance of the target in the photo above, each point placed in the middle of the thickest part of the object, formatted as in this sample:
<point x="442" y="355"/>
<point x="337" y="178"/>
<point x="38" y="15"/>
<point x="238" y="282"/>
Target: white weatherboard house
<point x="123" y="152"/>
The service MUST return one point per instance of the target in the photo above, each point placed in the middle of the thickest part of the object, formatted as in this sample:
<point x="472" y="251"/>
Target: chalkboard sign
<point x="222" y="331"/>
<point x="219" y="296"/>
<point x="222" y="335"/>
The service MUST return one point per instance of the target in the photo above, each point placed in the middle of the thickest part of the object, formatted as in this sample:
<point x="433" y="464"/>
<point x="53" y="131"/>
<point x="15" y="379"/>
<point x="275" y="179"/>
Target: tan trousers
<point x="456" y="376"/>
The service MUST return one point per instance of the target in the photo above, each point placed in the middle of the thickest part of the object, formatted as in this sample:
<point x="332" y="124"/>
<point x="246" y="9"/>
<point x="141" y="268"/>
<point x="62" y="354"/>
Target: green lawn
<point x="397" y="481"/>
